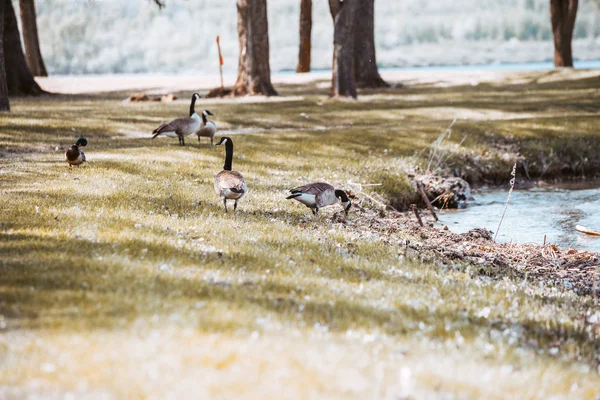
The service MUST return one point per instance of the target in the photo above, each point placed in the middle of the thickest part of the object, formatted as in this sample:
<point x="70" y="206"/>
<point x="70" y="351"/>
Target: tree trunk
<point x="4" y="102"/>
<point x="30" y="38"/>
<point x="18" y="77"/>
<point x="343" y="83"/>
<point x="254" y="72"/>
<point x="367" y="75"/>
<point x="305" y="33"/>
<point x="562" y="16"/>
<point x="241" y="84"/>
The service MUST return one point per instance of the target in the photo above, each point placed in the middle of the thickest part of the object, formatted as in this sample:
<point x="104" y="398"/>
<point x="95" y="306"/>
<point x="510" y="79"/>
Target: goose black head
<point x="340" y="194"/>
<point x="81" y="142"/>
<point x="195" y="97"/>
<point x="207" y="112"/>
<point x="224" y="140"/>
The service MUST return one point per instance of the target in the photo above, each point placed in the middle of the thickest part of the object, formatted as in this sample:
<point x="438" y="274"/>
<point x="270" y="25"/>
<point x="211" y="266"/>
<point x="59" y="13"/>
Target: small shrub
<point x="396" y="189"/>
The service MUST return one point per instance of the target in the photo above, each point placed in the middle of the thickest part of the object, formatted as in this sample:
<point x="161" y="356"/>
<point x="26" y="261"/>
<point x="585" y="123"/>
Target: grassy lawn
<point x="125" y="279"/>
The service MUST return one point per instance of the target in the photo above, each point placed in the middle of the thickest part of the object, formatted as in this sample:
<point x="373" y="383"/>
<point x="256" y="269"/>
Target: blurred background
<point x="134" y="36"/>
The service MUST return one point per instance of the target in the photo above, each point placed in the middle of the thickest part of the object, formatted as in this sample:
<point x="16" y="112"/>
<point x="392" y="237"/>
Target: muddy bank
<point x="475" y="250"/>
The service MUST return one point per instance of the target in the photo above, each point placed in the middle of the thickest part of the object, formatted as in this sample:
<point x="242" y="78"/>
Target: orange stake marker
<point x="221" y="62"/>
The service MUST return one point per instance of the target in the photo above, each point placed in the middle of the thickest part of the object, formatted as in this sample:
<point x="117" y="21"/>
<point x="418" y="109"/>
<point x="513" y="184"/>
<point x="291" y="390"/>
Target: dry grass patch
<point x="125" y="273"/>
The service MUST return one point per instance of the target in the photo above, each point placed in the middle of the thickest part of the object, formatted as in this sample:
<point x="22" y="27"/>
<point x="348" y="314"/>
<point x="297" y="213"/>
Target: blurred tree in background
<point x="30" y="38"/>
<point x="254" y="72"/>
<point x="305" y="36"/>
<point x="4" y="102"/>
<point x="17" y="78"/>
<point x="343" y="82"/>
<point x="354" y="61"/>
<point x="562" y="15"/>
<point x="365" y="62"/>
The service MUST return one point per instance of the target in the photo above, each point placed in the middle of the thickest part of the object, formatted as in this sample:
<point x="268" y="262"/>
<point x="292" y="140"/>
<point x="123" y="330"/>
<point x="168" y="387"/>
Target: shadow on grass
<point x="48" y="282"/>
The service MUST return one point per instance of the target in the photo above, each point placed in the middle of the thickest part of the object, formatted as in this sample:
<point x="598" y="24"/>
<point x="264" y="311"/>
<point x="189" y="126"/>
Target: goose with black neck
<point x="207" y="128"/>
<point x="229" y="185"/>
<point x="181" y="127"/>
<point x="318" y="195"/>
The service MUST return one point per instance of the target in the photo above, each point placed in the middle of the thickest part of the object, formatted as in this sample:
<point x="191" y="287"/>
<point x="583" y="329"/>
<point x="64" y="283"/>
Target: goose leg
<point x="225" y="204"/>
<point x="315" y="211"/>
<point x="181" y="141"/>
<point x="211" y="141"/>
<point x="234" y="206"/>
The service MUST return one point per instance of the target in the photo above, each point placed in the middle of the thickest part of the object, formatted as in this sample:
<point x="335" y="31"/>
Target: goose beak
<point x="209" y="113"/>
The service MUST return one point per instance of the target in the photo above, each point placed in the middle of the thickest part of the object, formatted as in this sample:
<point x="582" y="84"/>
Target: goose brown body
<point x="207" y="128"/>
<point x="318" y="195"/>
<point x="230" y="185"/>
<point x="180" y="127"/>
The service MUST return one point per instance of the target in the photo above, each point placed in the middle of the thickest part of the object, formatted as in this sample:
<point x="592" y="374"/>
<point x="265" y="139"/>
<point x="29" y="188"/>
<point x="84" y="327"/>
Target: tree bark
<point x="241" y="84"/>
<point x="366" y="73"/>
<point x="343" y="82"/>
<point x="30" y="38"/>
<point x="562" y="16"/>
<point x="4" y="102"/>
<point x="254" y="72"/>
<point x="305" y="36"/>
<point x="18" y="77"/>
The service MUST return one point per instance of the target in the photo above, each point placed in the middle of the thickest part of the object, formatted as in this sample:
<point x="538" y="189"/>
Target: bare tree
<point x="366" y="73"/>
<point x="343" y="82"/>
<point x="19" y="79"/>
<point x="241" y="85"/>
<point x="254" y="72"/>
<point x="354" y="61"/>
<point x="562" y="16"/>
<point x="305" y="36"/>
<point x="30" y="38"/>
<point x="4" y="101"/>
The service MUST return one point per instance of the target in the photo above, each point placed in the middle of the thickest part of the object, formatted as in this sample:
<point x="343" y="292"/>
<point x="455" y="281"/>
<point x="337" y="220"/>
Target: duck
<point x="318" y="195"/>
<point x="75" y="156"/>
<point x="207" y="128"/>
<point x="181" y="127"/>
<point x="229" y="185"/>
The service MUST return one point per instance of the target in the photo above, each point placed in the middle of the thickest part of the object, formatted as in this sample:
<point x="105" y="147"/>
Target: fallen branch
<point x="413" y="207"/>
<point x="426" y="200"/>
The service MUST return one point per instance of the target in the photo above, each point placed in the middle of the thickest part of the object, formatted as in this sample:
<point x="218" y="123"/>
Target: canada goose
<point x="229" y="185"/>
<point x="75" y="155"/>
<point x="318" y="195"/>
<point x="207" y="128"/>
<point x="181" y="127"/>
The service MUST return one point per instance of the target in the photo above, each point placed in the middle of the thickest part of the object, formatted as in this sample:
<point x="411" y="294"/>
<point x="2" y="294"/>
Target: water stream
<point x="533" y="213"/>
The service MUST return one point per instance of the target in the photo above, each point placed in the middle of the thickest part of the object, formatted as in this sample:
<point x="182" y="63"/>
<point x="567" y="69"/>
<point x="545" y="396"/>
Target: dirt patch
<point x="142" y="97"/>
<point x="218" y="92"/>
<point x="565" y="268"/>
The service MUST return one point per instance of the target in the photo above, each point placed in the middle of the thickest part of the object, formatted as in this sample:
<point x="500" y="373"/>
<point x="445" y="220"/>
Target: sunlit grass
<point x="125" y="278"/>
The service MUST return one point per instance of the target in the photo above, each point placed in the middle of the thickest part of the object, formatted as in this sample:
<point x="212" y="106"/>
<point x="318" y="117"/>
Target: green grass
<point x="125" y="278"/>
